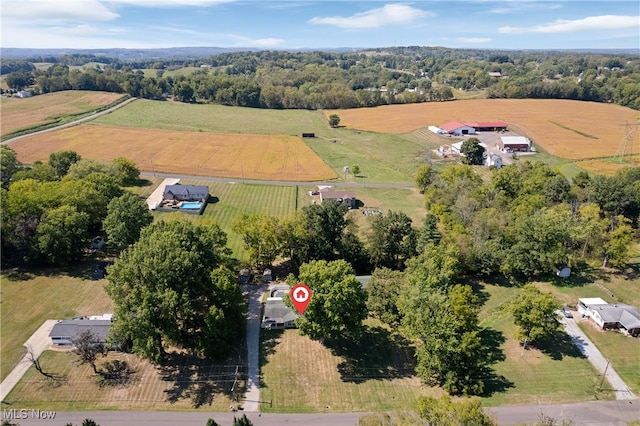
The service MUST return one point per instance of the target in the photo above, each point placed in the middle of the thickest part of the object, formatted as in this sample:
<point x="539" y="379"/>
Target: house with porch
<point x="618" y="316"/>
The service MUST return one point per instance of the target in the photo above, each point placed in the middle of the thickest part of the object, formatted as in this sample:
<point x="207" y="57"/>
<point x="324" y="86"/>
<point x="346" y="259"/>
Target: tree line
<point x="316" y="80"/>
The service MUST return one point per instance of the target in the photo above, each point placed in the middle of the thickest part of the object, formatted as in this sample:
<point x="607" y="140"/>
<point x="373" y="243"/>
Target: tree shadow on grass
<point x="374" y="354"/>
<point x="269" y="339"/>
<point x="492" y="353"/>
<point x="198" y="379"/>
<point x="560" y="345"/>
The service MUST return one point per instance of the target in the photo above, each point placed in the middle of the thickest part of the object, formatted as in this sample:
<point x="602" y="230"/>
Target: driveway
<point x="597" y="359"/>
<point x="37" y="343"/>
<point x="252" y="396"/>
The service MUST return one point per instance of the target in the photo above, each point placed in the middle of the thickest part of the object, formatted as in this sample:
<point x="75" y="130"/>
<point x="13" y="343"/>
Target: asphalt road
<point x="597" y="413"/>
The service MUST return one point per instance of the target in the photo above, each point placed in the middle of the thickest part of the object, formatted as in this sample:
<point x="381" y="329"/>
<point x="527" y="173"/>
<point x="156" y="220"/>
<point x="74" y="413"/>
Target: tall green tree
<point x="170" y="289"/>
<point x="62" y="160"/>
<point x="392" y="240"/>
<point x="9" y="164"/>
<point x="326" y="224"/>
<point x="127" y="215"/>
<point x="424" y="177"/>
<point x="262" y="236"/>
<point x="472" y="151"/>
<point x="62" y="234"/>
<point x="338" y="304"/>
<point x="334" y="120"/>
<point x="125" y="171"/>
<point x="534" y="312"/>
<point x="383" y="291"/>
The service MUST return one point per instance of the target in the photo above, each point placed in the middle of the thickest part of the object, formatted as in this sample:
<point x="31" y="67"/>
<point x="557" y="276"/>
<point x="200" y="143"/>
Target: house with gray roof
<point x="186" y="192"/>
<point x="277" y="315"/>
<point x="65" y="331"/>
<point x="611" y="316"/>
<point x="347" y="197"/>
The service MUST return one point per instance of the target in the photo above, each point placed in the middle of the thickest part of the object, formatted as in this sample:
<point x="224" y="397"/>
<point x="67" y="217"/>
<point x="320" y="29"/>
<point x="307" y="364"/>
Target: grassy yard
<point x="30" y="298"/>
<point x="302" y="375"/>
<point x="184" y="384"/>
<point x="557" y="373"/>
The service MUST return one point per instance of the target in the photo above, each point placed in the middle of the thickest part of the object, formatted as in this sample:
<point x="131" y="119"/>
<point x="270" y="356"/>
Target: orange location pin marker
<point x="300" y="296"/>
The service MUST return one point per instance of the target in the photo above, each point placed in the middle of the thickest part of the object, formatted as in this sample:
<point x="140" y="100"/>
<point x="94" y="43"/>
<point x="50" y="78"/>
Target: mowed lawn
<point x="565" y="128"/>
<point x="28" y="299"/>
<point x="251" y="156"/>
<point x="301" y="375"/>
<point x="19" y="113"/>
<point x="183" y="384"/>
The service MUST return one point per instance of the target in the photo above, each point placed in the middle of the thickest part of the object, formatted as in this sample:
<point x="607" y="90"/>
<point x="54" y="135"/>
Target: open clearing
<point x="569" y="129"/>
<point x="268" y="157"/>
<point x="28" y="299"/>
<point x="19" y="113"/>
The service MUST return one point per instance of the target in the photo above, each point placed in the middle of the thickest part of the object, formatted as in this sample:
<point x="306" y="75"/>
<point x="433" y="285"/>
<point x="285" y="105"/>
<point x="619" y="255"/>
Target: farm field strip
<point x="23" y="113"/>
<point x="568" y="129"/>
<point x="268" y="157"/>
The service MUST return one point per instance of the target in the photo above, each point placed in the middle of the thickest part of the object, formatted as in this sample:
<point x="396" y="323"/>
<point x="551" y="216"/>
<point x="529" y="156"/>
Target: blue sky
<point x="294" y="24"/>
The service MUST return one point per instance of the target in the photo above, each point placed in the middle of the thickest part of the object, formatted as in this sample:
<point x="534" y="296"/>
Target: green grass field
<point x="30" y="298"/>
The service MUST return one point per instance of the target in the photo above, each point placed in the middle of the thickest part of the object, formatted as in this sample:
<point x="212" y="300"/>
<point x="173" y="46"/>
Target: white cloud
<point x="168" y="3"/>
<point x="474" y="39"/>
<point x="265" y="42"/>
<point x="522" y="6"/>
<point x="57" y="11"/>
<point x="389" y="14"/>
<point x="590" y="23"/>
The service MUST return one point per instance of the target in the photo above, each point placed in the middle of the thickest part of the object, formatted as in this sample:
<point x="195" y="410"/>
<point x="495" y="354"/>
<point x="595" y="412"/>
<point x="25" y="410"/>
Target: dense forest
<point x="316" y="80"/>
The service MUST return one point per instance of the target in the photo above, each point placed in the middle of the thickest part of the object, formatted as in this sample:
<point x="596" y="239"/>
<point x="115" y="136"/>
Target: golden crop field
<point x="609" y="166"/>
<point x="16" y="113"/>
<point x="238" y="156"/>
<point x="568" y="129"/>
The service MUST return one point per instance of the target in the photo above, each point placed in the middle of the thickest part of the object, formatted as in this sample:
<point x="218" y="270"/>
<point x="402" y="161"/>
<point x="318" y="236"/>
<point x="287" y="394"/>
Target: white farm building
<point x="514" y="144"/>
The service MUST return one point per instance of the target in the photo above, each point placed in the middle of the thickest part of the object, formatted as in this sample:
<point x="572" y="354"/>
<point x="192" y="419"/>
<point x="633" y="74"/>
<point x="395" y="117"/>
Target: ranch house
<point x="186" y="192"/>
<point x="347" y="197"/>
<point x="610" y="316"/>
<point x="64" y="332"/>
<point x="277" y="315"/>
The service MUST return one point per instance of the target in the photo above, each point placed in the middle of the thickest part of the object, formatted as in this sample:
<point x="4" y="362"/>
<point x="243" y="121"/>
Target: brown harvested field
<point x="19" y="113"/>
<point x="268" y="157"/>
<point x="568" y="129"/>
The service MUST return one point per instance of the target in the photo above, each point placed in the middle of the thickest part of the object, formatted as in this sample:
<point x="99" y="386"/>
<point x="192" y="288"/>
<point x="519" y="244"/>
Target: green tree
<point x="326" y="223"/>
<point x="125" y="171"/>
<point x="62" y="234"/>
<point x="88" y="347"/>
<point x="472" y="151"/>
<point x="127" y="215"/>
<point x="211" y="422"/>
<point x="170" y="289"/>
<point x="424" y="177"/>
<point x="9" y="164"/>
<point x="428" y="233"/>
<point x="39" y="171"/>
<point x="338" y="304"/>
<point x="444" y="324"/>
<point x="534" y="312"/>
<point x="61" y="161"/>
<point x="261" y="234"/>
<point x="242" y="421"/>
<point x="392" y="240"/>
<point x="445" y="412"/>
<point x="617" y="243"/>
<point x="334" y="120"/>
<point x="355" y="169"/>
<point x="383" y="291"/>
<point x="18" y="80"/>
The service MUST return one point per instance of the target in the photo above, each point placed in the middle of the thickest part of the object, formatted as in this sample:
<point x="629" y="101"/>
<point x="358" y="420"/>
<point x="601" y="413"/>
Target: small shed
<point x="244" y="277"/>
<point x="266" y="276"/>
<point x="563" y="271"/>
<point x="437" y="130"/>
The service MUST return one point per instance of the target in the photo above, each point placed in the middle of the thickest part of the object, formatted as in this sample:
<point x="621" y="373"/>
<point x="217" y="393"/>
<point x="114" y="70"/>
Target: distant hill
<point x="141" y="54"/>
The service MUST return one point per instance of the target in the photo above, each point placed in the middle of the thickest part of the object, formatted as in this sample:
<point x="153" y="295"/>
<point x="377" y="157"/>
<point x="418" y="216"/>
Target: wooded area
<point x="317" y="80"/>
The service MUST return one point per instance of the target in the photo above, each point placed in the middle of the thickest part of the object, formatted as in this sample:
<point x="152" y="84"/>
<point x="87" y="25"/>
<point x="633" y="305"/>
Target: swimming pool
<point x="192" y="205"/>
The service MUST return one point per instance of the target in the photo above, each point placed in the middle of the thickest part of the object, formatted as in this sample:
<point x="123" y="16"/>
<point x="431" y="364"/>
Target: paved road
<point x="599" y="413"/>
<point x="73" y="123"/>
<point x="37" y="343"/>
<point x="278" y="182"/>
<point x="252" y="395"/>
<point x="597" y="359"/>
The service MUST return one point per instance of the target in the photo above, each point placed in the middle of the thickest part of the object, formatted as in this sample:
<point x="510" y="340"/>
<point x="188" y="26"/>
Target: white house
<point x="606" y="316"/>
<point x="493" y="160"/>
